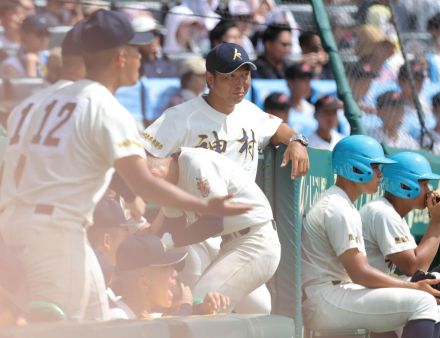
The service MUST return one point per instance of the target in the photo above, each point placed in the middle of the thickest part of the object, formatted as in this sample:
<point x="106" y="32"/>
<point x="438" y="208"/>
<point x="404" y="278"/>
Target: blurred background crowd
<point x="294" y="79"/>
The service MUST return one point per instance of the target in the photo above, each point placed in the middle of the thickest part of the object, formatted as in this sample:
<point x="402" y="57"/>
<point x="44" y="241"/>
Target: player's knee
<point x="424" y="307"/>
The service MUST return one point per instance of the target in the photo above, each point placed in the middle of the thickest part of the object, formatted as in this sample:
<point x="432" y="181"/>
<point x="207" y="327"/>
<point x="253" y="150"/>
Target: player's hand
<point x="220" y="206"/>
<point x="215" y="302"/>
<point x="186" y="294"/>
<point x="433" y="206"/>
<point x="136" y="207"/>
<point x="296" y="153"/>
<point x="426" y="285"/>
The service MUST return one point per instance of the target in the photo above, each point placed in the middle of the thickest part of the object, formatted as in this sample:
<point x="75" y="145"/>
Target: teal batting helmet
<point x="402" y="178"/>
<point x="353" y="155"/>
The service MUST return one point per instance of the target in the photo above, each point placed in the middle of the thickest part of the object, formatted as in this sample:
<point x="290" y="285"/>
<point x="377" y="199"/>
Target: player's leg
<point x="243" y="264"/>
<point x="352" y="306"/>
<point x="258" y="302"/>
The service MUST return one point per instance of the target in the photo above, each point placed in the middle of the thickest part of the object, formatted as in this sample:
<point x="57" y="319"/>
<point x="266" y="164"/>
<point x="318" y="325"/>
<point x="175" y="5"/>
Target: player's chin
<point x="238" y="97"/>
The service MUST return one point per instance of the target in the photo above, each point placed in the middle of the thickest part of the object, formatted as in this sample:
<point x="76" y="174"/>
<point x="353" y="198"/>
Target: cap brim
<point x="253" y="67"/>
<point x="172" y="257"/>
<point x="382" y="160"/>
<point x="141" y="38"/>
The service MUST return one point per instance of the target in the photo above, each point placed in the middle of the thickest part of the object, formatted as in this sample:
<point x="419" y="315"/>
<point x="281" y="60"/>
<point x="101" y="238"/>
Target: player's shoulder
<point x="185" y="109"/>
<point x="377" y="206"/>
<point x="249" y="108"/>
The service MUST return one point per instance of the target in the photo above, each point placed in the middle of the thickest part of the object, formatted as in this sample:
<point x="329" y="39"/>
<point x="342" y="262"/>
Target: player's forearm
<point x="372" y="278"/>
<point x="282" y="135"/>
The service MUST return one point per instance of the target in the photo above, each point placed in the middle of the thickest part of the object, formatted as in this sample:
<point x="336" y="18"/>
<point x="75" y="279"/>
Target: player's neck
<point x="398" y="204"/>
<point x="219" y="104"/>
<point x="350" y="188"/>
<point x="107" y="81"/>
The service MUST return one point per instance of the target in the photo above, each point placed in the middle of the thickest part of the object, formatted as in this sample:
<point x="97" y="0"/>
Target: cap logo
<point x="237" y="55"/>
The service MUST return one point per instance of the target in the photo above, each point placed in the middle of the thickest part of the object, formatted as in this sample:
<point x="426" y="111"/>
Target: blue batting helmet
<point x="402" y="178"/>
<point x="353" y="155"/>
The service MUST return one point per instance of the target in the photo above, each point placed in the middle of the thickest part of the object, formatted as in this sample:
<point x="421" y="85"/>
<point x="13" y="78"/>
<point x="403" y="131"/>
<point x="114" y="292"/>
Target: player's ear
<point x="120" y="58"/>
<point x="210" y="79"/>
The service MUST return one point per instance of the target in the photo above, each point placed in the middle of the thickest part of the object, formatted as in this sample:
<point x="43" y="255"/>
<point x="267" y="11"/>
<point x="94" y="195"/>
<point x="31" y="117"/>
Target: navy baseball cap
<point x="276" y="101"/>
<point x="35" y="23"/>
<point x="328" y="102"/>
<point x="226" y="58"/>
<point x="299" y="71"/>
<point x="390" y="98"/>
<point x="71" y="45"/>
<point x="110" y="29"/>
<point x="109" y="213"/>
<point x="141" y="250"/>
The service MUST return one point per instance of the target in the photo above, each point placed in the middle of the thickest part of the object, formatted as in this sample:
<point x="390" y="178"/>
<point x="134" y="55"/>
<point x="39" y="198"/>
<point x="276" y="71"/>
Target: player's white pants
<point x="60" y="265"/>
<point x="242" y="265"/>
<point x="350" y="306"/>
<point x="200" y="256"/>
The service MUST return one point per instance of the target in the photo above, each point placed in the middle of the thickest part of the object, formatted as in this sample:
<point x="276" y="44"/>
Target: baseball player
<point x="224" y="121"/>
<point x="250" y="248"/>
<point x="341" y="290"/>
<point x="58" y="165"/>
<point x="388" y="240"/>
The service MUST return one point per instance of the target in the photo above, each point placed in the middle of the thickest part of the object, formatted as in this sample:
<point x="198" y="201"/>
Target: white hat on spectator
<point x="146" y="23"/>
<point x="194" y="65"/>
<point x="239" y="8"/>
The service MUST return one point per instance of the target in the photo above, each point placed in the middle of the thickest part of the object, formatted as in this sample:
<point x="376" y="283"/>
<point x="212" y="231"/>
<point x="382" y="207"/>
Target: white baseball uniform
<point x="57" y="166"/>
<point x="385" y="233"/>
<point x="196" y="124"/>
<point x="316" y="141"/>
<point x="237" y="135"/>
<point x="332" y="301"/>
<point x="245" y="261"/>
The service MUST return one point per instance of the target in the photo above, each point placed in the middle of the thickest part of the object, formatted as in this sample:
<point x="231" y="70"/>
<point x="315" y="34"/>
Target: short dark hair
<point x="216" y="34"/>
<point x="433" y="22"/>
<point x="436" y="101"/>
<point x="305" y="38"/>
<point x="273" y="31"/>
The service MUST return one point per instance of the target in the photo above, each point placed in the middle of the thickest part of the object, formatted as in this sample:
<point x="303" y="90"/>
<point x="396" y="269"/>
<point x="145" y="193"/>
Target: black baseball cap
<point x="106" y="29"/>
<point x="35" y="23"/>
<point x="277" y="101"/>
<point x="109" y="213"/>
<point x="299" y="71"/>
<point x="226" y="58"/>
<point x="390" y="98"/>
<point x="71" y="45"/>
<point x="328" y="102"/>
<point x="141" y="250"/>
<point x="416" y="68"/>
<point x="360" y="70"/>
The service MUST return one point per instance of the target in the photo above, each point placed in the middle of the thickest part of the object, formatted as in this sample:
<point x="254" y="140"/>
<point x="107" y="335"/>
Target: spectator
<point x="343" y="26"/>
<point x="326" y="113"/>
<point x="28" y="6"/>
<point x="376" y="49"/>
<point x="282" y="15"/>
<point x="204" y="9"/>
<point x="315" y="55"/>
<point x="411" y="123"/>
<point x="422" y="10"/>
<point x="62" y="13"/>
<point x="300" y="118"/>
<point x="433" y="57"/>
<point x="146" y="278"/>
<point x="390" y="110"/>
<point x="360" y="75"/>
<point x="241" y="13"/>
<point x="225" y="30"/>
<point x="277" y="104"/>
<point x="153" y="63"/>
<point x="34" y="37"/>
<point x="277" y="41"/>
<point x="435" y="132"/>
<point x="11" y="18"/>
<point x="192" y="84"/>
<point x="185" y="32"/>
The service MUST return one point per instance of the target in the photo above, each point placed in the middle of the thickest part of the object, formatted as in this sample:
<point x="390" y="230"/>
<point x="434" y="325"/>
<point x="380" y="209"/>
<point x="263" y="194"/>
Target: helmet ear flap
<point x="402" y="187"/>
<point x="347" y="169"/>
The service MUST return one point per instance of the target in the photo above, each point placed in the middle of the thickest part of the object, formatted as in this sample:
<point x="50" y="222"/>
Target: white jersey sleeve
<point x="268" y="125"/>
<point x="342" y="232"/>
<point x="166" y="134"/>
<point x="391" y="233"/>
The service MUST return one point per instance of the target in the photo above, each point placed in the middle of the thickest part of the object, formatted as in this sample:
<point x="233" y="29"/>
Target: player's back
<point x="62" y="151"/>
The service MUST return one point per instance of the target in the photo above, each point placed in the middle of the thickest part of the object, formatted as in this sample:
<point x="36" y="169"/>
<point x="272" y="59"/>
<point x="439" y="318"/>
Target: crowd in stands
<point x="399" y="101"/>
